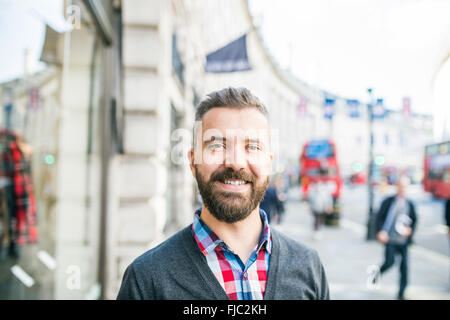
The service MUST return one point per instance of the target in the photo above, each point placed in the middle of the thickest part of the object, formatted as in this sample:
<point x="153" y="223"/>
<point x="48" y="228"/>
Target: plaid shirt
<point x="240" y="282"/>
<point x="14" y="166"/>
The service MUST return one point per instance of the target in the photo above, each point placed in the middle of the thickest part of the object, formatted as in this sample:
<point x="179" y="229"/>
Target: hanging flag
<point x="379" y="111"/>
<point x="353" y="108"/>
<point x="8" y="107"/>
<point x="329" y="108"/>
<point x="303" y="106"/>
<point x="231" y="58"/>
<point x="407" y="107"/>
<point x="34" y="98"/>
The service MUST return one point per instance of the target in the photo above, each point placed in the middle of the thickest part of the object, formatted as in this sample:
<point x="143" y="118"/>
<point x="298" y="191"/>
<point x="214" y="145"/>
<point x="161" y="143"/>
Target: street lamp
<point x="371" y="219"/>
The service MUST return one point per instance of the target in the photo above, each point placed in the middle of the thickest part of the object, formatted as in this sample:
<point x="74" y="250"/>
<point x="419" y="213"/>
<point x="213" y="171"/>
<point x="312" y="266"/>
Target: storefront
<point x="70" y="116"/>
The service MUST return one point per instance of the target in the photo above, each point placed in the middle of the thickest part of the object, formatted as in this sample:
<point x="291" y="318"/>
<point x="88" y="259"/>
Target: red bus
<point x="318" y="162"/>
<point x="436" y="166"/>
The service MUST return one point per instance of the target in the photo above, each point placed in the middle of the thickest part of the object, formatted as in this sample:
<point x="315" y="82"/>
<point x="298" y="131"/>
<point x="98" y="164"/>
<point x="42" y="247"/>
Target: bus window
<point x="319" y="149"/>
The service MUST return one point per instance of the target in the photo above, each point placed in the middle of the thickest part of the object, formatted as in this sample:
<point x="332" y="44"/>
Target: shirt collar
<point x="207" y="240"/>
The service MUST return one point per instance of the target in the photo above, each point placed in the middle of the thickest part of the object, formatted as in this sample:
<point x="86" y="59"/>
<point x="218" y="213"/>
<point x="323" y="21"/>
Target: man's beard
<point x="230" y="207"/>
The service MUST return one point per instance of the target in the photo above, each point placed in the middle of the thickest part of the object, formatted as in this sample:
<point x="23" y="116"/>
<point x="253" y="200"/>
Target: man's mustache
<point x="230" y="173"/>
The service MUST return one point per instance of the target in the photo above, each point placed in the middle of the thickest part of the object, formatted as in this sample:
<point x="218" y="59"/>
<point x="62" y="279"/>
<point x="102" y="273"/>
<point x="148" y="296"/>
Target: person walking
<point x="396" y="221"/>
<point x="229" y="251"/>
<point x="321" y="203"/>
<point x="447" y="216"/>
<point x="272" y="205"/>
<point x="447" y="223"/>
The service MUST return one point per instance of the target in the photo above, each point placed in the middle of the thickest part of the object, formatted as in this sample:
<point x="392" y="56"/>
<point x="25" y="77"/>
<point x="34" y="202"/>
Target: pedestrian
<point x="272" y="205"/>
<point x="447" y="216"/>
<point x="281" y="186"/>
<point x="396" y="222"/>
<point x="321" y="203"/>
<point x="229" y="251"/>
<point x="447" y="222"/>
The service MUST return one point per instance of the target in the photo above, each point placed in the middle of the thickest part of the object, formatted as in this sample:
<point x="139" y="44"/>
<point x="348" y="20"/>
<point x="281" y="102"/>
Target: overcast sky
<point x="22" y="25"/>
<point x="347" y="46"/>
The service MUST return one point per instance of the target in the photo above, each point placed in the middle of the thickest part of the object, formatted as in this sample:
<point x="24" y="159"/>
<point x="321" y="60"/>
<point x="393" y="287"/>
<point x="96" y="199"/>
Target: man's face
<point x="401" y="187"/>
<point x="232" y="161"/>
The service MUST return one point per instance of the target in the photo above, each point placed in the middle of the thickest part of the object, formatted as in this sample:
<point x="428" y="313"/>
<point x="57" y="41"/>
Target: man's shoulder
<point x="388" y="199"/>
<point x="169" y="250"/>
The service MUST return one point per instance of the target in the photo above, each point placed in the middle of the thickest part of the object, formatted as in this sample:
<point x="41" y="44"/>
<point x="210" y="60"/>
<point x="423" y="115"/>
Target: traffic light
<point x="379" y="160"/>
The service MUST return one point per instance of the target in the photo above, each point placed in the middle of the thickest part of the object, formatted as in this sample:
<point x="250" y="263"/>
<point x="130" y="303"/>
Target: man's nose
<point x="236" y="157"/>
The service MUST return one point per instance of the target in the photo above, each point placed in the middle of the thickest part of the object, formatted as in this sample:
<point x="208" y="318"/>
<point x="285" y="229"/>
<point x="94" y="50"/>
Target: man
<point x="272" y="205"/>
<point x="396" y="221"/>
<point x="321" y="203"/>
<point x="229" y="251"/>
<point x="447" y="215"/>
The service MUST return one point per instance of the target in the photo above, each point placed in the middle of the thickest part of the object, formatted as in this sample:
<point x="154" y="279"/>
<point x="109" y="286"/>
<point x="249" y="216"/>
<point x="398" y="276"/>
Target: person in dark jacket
<point x="396" y="222"/>
<point x="447" y="215"/>
<point x="272" y="205"/>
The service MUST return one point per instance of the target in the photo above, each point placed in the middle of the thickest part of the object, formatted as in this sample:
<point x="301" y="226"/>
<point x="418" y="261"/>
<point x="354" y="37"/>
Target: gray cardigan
<point x="177" y="270"/>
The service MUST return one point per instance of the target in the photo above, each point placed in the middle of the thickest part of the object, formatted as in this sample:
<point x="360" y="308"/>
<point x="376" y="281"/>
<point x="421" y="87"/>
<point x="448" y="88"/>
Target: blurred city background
<point x="92" y="93"/>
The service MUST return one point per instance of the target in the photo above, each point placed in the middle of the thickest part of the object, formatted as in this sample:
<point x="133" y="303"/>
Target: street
<point x="348" y="257"/>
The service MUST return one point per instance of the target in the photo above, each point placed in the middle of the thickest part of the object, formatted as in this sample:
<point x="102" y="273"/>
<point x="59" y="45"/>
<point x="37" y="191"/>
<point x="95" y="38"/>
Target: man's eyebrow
<point x="252" y="140"/>
<point x="214" y="138"/>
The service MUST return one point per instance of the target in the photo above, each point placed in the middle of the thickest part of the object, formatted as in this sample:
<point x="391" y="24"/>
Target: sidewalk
<point x="346" y="256"/>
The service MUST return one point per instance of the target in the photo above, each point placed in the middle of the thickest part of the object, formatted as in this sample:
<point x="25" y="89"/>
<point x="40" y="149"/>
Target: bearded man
<point x="229" y="251"/>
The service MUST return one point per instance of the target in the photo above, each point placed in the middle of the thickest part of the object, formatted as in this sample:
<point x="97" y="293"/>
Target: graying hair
<point x="238" y="98"/>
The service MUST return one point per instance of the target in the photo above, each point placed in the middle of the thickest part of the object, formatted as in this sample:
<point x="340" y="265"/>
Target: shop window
<point x="177" y="64"/>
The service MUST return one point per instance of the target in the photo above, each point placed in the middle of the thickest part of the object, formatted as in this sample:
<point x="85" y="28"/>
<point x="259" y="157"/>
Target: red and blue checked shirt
<point x="14" y="166"/>
<point x="240" y="282"/>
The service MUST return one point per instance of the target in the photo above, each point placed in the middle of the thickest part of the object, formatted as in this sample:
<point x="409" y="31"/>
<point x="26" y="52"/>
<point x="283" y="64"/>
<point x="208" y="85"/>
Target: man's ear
<point x="190" y="156"/>
<point x="270" y="166"/>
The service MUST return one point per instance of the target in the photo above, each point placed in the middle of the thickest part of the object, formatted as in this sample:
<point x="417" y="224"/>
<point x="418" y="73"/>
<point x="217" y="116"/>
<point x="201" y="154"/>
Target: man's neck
<point x="241" y="236"/>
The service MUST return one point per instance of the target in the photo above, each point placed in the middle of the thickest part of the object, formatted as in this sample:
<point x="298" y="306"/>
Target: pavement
<point x="349" y="259"/>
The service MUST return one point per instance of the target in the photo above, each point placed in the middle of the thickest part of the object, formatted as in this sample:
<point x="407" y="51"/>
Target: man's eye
<point x="216" y="146"/>
<point x="253" y="147"/>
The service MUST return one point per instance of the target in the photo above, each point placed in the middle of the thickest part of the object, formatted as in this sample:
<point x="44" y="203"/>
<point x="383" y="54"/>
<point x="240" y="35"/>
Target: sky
<point x="22" y="25"/>
<point x="347" y="46"/>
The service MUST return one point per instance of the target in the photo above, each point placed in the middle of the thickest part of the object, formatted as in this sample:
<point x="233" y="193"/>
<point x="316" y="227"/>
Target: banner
<point x="230" y="58"/>
<point x="407" y="107"/>
<point x="378" y="111"/>
<point x="329" y="108"/>
<point x="303" y="106"/>
<point x="8" y="107"/>
<point x="34" y="98"/>
<point x="353" y="108"/>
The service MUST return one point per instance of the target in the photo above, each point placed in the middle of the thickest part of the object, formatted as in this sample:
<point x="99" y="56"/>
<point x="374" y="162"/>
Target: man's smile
<point x="234" y="185"/>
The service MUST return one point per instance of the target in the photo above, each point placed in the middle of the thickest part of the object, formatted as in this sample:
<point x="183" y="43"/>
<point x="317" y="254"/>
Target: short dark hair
<point x="238" y="98"/>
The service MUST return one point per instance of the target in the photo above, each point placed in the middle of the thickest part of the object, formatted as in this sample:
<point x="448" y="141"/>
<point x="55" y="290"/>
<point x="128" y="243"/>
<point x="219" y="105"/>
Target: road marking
<point x="430" y="255"/>
<point x="47" y="259"/>
<point x="353" y="226"/>
<point x="436" y="229"/>
<point x="419" y="250"/>
<point x="22" y="276"/>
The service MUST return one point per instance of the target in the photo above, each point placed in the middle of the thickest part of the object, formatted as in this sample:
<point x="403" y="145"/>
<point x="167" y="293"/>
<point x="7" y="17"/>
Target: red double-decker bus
<point x="318" y="162"/>
<point x="436" y="179"/>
